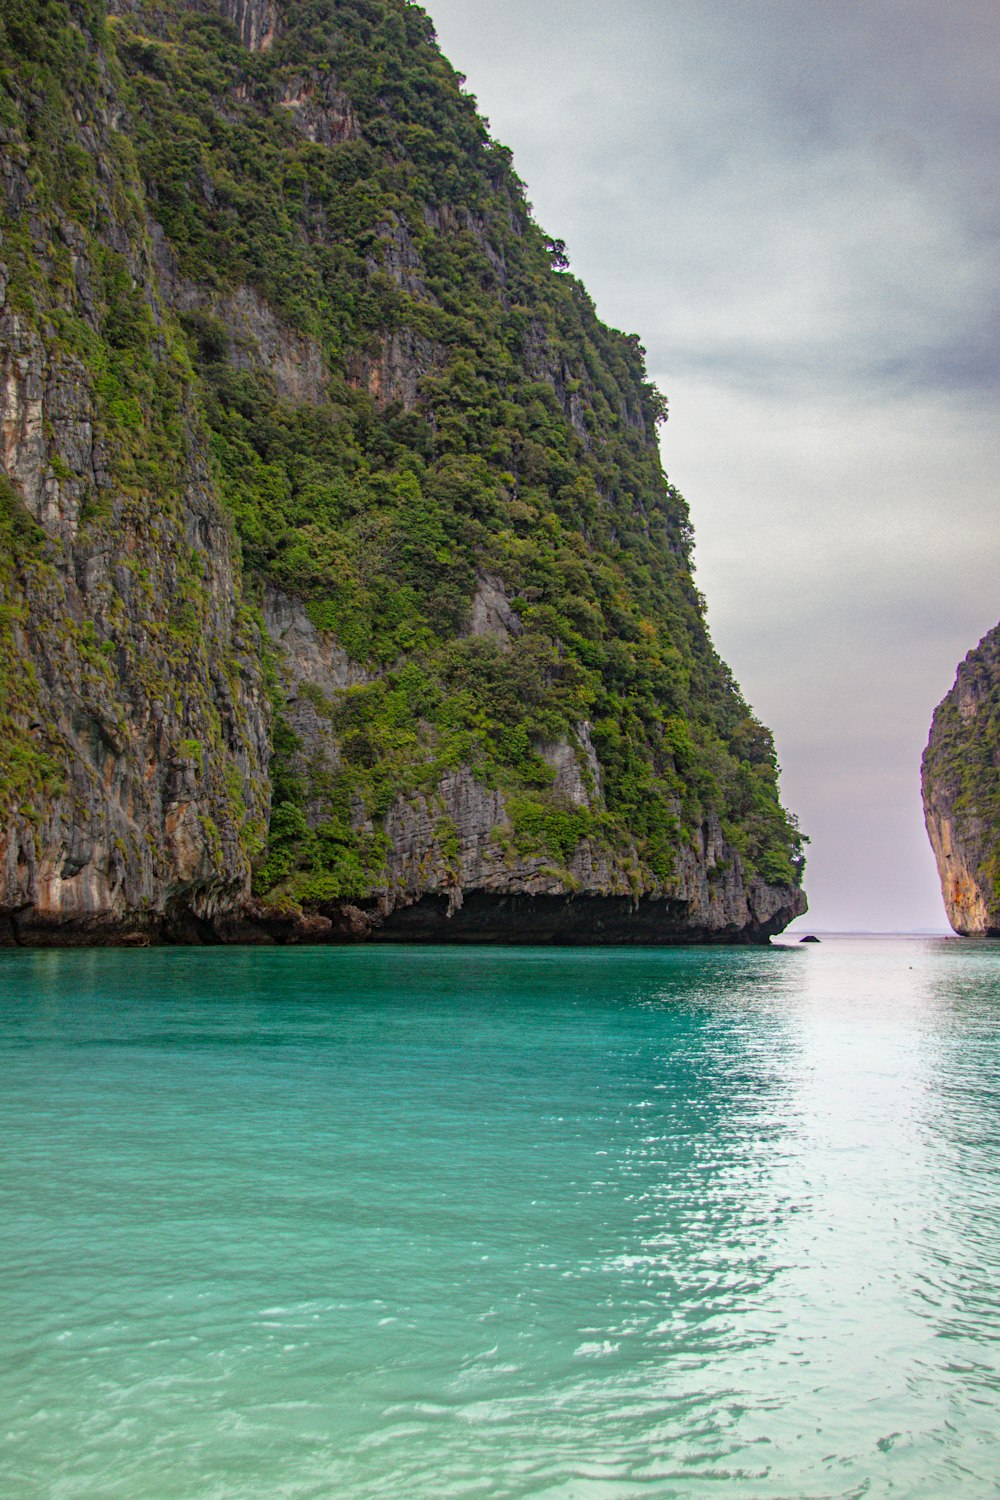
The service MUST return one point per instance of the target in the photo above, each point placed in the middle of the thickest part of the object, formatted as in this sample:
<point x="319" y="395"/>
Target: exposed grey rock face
<point x="46" y="426"/>
<point x="256" y="339"/>
<point x="315" y="671"/>
<point x="255" y="20"/>
<point x="320" y="110"/>
<point x="395" y="371"/>
<point x="259" y="342"/>
<point x="961" y="792"/>
<point x="400" y="260"/>
<point x="308" y="656"/>
<point x="492" y="612"/>
<point x="577" y="769"/>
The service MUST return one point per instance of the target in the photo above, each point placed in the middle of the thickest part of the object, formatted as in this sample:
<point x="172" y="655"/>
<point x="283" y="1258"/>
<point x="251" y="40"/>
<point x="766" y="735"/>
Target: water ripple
<point x="584" y="1226"/>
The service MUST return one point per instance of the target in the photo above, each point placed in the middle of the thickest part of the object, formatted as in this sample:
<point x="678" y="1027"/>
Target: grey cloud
<point x="797" y="176"/>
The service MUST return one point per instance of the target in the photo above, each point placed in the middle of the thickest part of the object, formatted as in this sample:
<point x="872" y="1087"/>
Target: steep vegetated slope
<point x="338" y="557"/>
<point x="961" y="784"/>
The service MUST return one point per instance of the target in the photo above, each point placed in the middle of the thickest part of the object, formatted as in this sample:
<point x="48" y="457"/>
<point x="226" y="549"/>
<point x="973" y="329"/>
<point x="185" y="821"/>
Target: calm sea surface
<point x="437" y="1223"/>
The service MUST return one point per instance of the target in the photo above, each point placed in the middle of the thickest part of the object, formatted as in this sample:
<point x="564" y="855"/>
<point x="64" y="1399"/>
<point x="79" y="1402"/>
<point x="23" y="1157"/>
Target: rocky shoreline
<point x="557" y="921"/>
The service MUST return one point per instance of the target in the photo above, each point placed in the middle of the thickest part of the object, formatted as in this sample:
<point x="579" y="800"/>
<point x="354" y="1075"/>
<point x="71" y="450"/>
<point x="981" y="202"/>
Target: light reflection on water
<point x="417" y="1223"/>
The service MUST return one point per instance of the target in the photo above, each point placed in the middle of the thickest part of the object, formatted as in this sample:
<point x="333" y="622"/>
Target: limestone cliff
<point x="134" y="735"/>
<point x="343" y="595"/>
<point x="961" y="789"/>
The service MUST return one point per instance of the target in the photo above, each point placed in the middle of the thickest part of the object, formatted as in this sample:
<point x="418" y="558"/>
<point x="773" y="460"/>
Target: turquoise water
<point x="436" y="1223"/>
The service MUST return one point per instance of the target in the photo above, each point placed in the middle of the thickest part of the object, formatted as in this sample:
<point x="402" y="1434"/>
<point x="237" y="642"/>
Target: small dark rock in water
<point x="810" y="938"/>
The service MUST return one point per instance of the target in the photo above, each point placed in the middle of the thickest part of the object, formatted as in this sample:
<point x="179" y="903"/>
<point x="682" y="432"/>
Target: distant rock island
<point x="342" y="594"/>
<point x="961" y="790"/>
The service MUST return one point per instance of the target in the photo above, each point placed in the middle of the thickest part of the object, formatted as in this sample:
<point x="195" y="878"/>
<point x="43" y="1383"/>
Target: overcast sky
<point x="796" y="206"/>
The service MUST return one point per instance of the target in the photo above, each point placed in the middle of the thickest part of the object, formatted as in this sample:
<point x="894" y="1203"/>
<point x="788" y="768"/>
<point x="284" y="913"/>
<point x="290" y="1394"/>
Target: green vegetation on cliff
<point x="405" y="394"/>
<point x="116" y="632"/>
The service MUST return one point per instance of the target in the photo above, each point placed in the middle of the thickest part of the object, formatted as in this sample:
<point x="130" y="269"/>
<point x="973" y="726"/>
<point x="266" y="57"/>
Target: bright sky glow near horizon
<point x="796" y="207"/>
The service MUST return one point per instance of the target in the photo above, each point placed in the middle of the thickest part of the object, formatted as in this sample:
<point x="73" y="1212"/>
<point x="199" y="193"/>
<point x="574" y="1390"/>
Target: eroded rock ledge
<point x="483" y="918"/>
